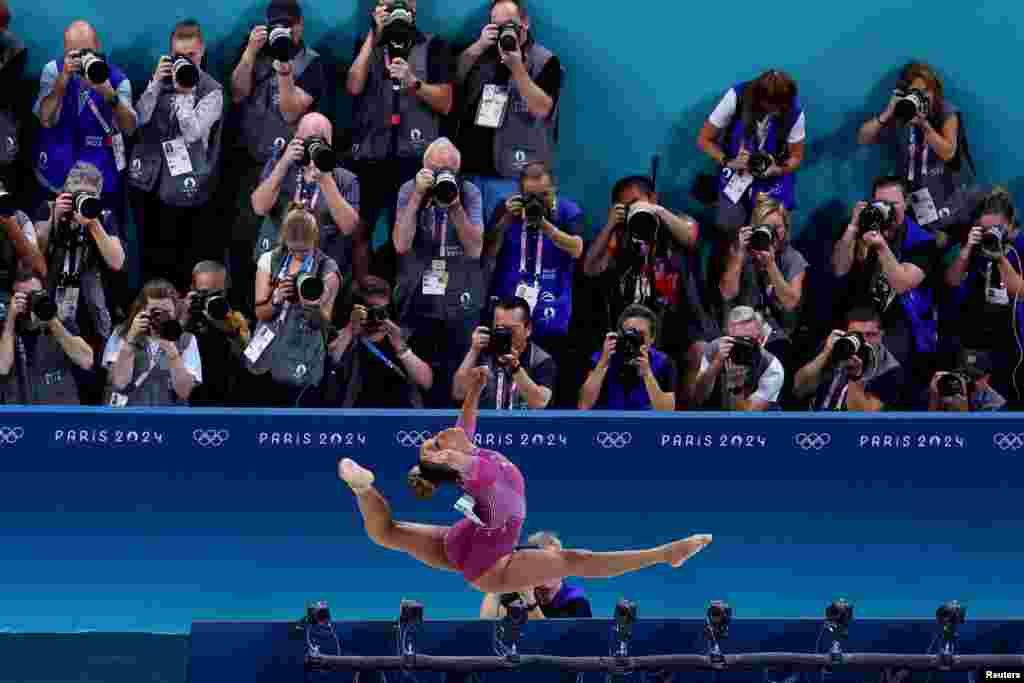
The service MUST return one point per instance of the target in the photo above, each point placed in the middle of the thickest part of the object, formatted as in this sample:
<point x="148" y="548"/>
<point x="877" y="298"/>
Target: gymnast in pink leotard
<point x="483" y="546"/>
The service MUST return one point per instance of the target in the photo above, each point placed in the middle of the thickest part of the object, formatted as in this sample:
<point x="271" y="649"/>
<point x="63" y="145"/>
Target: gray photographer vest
<point x="157" y="389"/>
<point x="48" y="380"/>
<point x="523" y="137"/>
<point x="263" y="127"/>
<point x="10" y="127"/>
<point x="463" y="298"/>
<point x="420" y="125"/>
<point x="92" y="299"/>
<point x="761" y="363"/>
<point x="148" y="168"/>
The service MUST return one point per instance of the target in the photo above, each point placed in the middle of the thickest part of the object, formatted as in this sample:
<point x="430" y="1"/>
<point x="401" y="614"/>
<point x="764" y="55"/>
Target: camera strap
<point x="307" y="267"/>
<point x="917" y="148"/>
<point x="114" y="139"/>
<point x="372" y="348"/>
<point x="836" y="398"/>
<point x="301" y="192"/>
<point x="499" y="399"/>
<point x="440" y="229"/>
<point x="537" y="266"/>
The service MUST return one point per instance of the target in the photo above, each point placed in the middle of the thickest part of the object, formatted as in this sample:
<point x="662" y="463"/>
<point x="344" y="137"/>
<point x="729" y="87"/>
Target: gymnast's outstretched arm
<point x="471" y="404"/>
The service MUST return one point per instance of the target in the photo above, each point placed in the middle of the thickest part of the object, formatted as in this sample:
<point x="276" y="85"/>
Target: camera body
<point x="508" y="36"/>
<point x="954" y="384"/>
<point x="212" y="304"/>
<point x="744" y="351"/>
<point x="912" y="103"/>
<point x="762" y="238"/>
<point x="501" y="341"/>
<point x="318" y="151"/>
<point x="376" y="315"/>
<point x="86" y="204"/>
<point x="446" y="187"/>
<point x="184" y="73"/>
<point x="853" y="345"/>
<point x="280" y="45"/>
<point x="535" y="208"/>
<point x="94" y="66"/>
<point x="399" y="29"/>
<point x="308" y="287"/>
<point x="759" y="163"/>
<point x="875" y="217"/>
<point x="163" y="326"/>
<point x="628" y="345"/>
<point x="42" y="305"/>
<point x="993" y="241"/>
<point x="642" y="222"/>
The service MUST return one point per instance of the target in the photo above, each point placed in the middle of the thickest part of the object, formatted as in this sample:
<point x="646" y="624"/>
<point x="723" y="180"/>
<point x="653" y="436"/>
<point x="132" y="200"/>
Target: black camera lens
<point x="642" y="222"/>
<point x="397" y="31"/>
<point x="913" y="103"/>
<point x="508" y="37"/>
<point x="744" y="351"/>
<point x="164" y="326"/>
<point x="320" y="153"/>
<point x="501" y="341"/>
<point x="759" y="163"/>
<point x="184" y="72"/>
<point x="446" y="187"/>
<point x="846" y="347"/>
<point x="7" y="204"/>
<point x="43" y="305"/>
<point x="951" y="385"/>
<point x="88" y="205"/>
<point x="875" y="217"/>
<point x="279" y="43"/>
<point x="375" y="315"/>
<point x="992" y="240"/>
<point x="95" y="68"/>
<point x="535" y="208"/>
<point x="309" y="287"/>
<point x="762" y="238"/>
<point x="629" y="343"/>
<point x="217" y="307"/>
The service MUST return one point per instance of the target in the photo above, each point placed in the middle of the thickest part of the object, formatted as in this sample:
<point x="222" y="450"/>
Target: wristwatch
<point x="416" y="85"/>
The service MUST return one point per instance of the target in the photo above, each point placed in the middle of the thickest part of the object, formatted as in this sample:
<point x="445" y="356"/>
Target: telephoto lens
<point x="279" y="43"/>
<point x="397" y="31"/>
<point x="164" y="326"/>
<point x="535" y="209"/>
<point x="508" y="37"/>
<point x="184" y="73"/>
<point x="318" y="151"/>
<point x="759" y="163"/>
<point x="642" y="222"/>
<point x="309" y="286"/>
<point x="217" y="306"/>
<point x="846" y="347"/>
<point x="94" y="67"/>
<point x="446" y="187"/>
<point x="875" y="217"/>
<point x="762" y="238"/>
<point x="86" y="204"/>
<point x="43" y="305"/>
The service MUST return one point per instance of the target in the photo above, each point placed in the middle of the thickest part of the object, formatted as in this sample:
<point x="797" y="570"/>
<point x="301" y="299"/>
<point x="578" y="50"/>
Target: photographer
<point x="508" y="112"/>
<point x="13" y="58"/>
<point x="372" y="365"/>
<point x="883" y="258"/>
<point x="765" y="132"/>
<point x="221" y="334"/>
<point x="19" y="244"/>
<point x="149" y="359"/>
<point x="85" y="108"/>
<point x="927" y="133"/>
<point x="296" y="286"/>
<point x="986" y="308"/>
<point x="629" y="373"/>
<point x="397" y="72"/>
<point x="522" y="374"/>
<point x="277" y="81"/>
<point x="764" y="271"/>
<point x="293" y="175"/>
<point x="438" y="237"/>
<point x="737" y="373"/>
<point x="37" y="351"/>
<point x="175" y="164"/>
<point x="861" y="375"/>
<point x="966" y="389"/>
<point x="534" y="245"/>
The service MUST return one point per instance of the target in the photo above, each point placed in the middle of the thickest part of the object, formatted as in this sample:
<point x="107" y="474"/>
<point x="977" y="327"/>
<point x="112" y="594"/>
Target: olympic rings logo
<point x="812" y="441"/>
<point x="613" y="439"/>
<point x="11" y="435"/>
<point x="411" y="439"/>
<point x="1008" y="442"/>
<point x="211" y="438"/>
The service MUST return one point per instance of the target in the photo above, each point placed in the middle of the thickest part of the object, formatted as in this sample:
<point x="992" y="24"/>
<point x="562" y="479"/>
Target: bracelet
<point x="402" y="351"/>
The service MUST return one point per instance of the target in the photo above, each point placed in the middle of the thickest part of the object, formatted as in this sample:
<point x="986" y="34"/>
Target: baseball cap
<point x="283" y="11"/>
<point x="976" y="363"/>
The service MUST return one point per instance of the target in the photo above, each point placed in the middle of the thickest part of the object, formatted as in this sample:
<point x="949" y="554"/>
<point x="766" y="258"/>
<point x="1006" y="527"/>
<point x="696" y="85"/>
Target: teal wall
<point x="642" y="79"/>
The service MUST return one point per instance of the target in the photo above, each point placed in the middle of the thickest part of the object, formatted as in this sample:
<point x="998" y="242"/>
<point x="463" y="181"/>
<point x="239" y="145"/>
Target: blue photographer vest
<point x="78" y="136"/>
<point x="969" y="298"/>
<point x="263" y="128"/>
<point x="10" y="126"/>
<point x="634" y="397"/>
<point x="420" y="125"/>
<point x="148" y="167"/>
<point x="781" y="188"/>
<point x="919" y="303"/>
<point x="523" y="137"/>
<point x="554" y="305"/>
<point x="49" y="379"/>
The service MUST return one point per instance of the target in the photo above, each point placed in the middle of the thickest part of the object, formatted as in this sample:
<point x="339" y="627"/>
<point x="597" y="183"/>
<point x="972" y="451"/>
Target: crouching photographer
<point x="966" y="389"/>
<point x="854" y="370"/>
<point x="150" y="359"/>
<point x="37" y="351"/>
<point x="522" y="374"/>
<point x="737" y="373"/>
<point x="296" y="285"/>
<point x="372" y="366"/>
<point x="629" y="373"/>
<point x="221" y="333"/>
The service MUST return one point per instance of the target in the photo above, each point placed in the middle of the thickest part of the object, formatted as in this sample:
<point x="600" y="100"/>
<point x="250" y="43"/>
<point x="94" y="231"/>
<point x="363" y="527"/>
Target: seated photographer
<point x="296" y="286"/>
<point x="438" y="237"/>
<point x="372" y="366"/>
<point x="150" y="360"/>
<point x="175" y="162"/>
<point x="763" y="145"/>
<point x="882" y="260"/>
<point x="37" y="351"/>
<point x="925" y="130"/>
<point x="629" y="373"/>
<point x="854" y="370"/>
<point x="966" y="389"/>
<point x="737" y="373"/>
<point x="522" y="374"/>
<point x="986" y="307"/>
<point x="308" y="172"/>
<point x="221" y="333"/>
<point x="555" y="600"/>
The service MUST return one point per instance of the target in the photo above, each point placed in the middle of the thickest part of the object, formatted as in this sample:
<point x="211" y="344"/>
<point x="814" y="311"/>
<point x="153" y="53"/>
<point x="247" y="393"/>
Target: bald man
<point x="438" y="246"/>
<point x="82" y="120"/>
<point x="289" y="176"/>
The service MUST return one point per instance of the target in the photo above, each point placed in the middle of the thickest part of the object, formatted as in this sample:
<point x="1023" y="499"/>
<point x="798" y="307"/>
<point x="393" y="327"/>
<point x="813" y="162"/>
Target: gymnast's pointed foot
<point x="680" y="551"/>
<point x="358" y="478"/>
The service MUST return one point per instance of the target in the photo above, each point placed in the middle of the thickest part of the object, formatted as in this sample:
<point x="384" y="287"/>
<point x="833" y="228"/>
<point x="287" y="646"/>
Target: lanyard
<point x="443" y="229"/>
<point x="307" y="267"/>
<point x="99" y="117"/>
<point x="925" y="150"/>
<point x="384" y="359"/>
<point x="500" y="394"/>
<point x="522" y="256"/>
<point x="154" y="358"/>
<point x="300" y="186"/>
